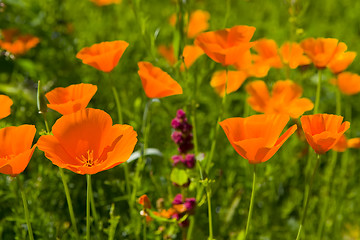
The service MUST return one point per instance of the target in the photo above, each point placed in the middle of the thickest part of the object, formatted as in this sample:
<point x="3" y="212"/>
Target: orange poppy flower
<point x="15" y="148"/>
<point x="156" y="82"/>
<point x="72" y="98"/>
<point x="227" y="45"/>
<point x="17" y="44"/>
<point x="235" y="80"/>
<point x="348" y="83"/>
<point x="293" y="55"/>
<point x="190" y="54"/>
<point x="145" y="201"/>
<point x="285" y="98"/>
<point x="256" y="138"/>
<point x="353" y="143"/>
<point x="198" y="22"/>
<point x="323" y="131"/>
<point x="168" y="53"/>
<point x="103" y="56"/>
<point x="320" y="50"/>
<point x="6" y="103"/>
<point x="341" y="59"/>
<point x="341" y="145"/>
<point x="105" y="2"/>
<point x="267" y="53"/>
<point x="86" y="142"/>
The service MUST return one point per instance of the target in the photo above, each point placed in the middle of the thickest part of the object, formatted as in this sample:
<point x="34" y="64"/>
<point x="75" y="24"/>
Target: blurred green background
<point x="66" y="26"/>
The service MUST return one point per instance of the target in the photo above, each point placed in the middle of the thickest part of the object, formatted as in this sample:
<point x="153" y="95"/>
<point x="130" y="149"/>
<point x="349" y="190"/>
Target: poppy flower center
<point x="88" y="160"/>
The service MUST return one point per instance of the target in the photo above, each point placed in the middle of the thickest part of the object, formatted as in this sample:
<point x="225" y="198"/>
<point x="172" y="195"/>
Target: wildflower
<point x="17" y="44"/>
<point x="348" y="83"/>
<point x="101" y="3"/>
<point x="72" y="98"/>
<point x="323" y="131"/>
<point x="198" y="23"/>
<point x="182" y="135"/>
<point x="168" y="53"/>
<point x="320" y="50"/>
<point x="156" y="82"/>
<point x="15" y="148"/>
<point x="341" y="59"/>
<point x="227" y="45"/>
<point x="234" y="81"/>
<point x="182" y="207"/>
<point x="86" y="142"/>
<point x="256" y="138"/>
<point x="103" y="56"/>
<point x="6" y="103"/>
<point x="267" y="53"/>
<point x="293" y="55"/>
<point x="285" y="98"/>
<point x="341" y="144"/>
<point x="190" y="54"/>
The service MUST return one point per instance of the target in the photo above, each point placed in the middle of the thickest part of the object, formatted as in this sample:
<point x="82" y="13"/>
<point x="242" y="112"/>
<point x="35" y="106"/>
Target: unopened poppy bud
<point x="41" y="102"/>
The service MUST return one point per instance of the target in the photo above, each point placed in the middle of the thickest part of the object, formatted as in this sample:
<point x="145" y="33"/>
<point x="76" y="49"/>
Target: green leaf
<point x="179" y="176"/>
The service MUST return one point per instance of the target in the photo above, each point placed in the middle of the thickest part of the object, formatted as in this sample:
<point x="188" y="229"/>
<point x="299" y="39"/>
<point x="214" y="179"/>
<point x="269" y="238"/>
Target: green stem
<point x="69" y="202"/>
<point x="318" y="92"/>
<point x="66" y="188"/>
<point x="26" y="209"/>
<point x="338" y="102"/>
<point x="327" y="190"/>
<point x="227" y="13"/>
<point x="303" y="217"/>
<point x="93" y="208"/>
<point x="208" y="196"/>
<point x="117" y="101"/>
<point x="213" y="143"/>
<point x="88" y="194"/>
<point x="251" y="203"/>
<point x="144" y="228"/>
<point x="141" y="163"/>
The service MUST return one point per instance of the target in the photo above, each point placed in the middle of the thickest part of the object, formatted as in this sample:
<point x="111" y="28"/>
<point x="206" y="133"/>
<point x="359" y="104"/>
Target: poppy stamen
<point x="89" y="160"/>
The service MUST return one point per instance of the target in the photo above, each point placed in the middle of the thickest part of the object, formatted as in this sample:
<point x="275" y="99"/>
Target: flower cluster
<point x="182" y="136"/>
<point x="183" y="207"/>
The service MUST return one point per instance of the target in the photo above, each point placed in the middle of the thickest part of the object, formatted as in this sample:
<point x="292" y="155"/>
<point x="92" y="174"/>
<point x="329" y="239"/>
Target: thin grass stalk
<point x="88" y="194"/>
<point x="63" y="178"/>
<point x="26" y="209"/>
<point x="303" y="217"/>
<point x="251" y="203"/>
<point x="208" y="196"/>
<point x="213" y="143"/>
<point x="69" y="202"/>
<point x="318" y="92"/>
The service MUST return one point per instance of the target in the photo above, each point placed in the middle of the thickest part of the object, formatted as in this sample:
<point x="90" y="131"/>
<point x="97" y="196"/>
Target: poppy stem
<point x="88" y="179"/>
<point x="222" y="110"/>
<point x="307" y="197"/>
<point x="251" y="203"/>
<point x="63" y="179"/>
<point x="69" y="202"/>
<point x="318" y="92"/>
<point x="117" y="101"/>
<point x="26" y="209"/>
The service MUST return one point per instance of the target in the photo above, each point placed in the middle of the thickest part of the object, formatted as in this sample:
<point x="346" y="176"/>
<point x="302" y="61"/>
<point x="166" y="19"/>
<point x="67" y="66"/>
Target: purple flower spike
<point x="180" y="114"/>
<point x="177" y="137"/>
<point x="178" y="199"/>
<point x="190" y="204"/>
<point x="190" y="160"/>
<point x="177" y="159"/>
<point x="176" y="123"/>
